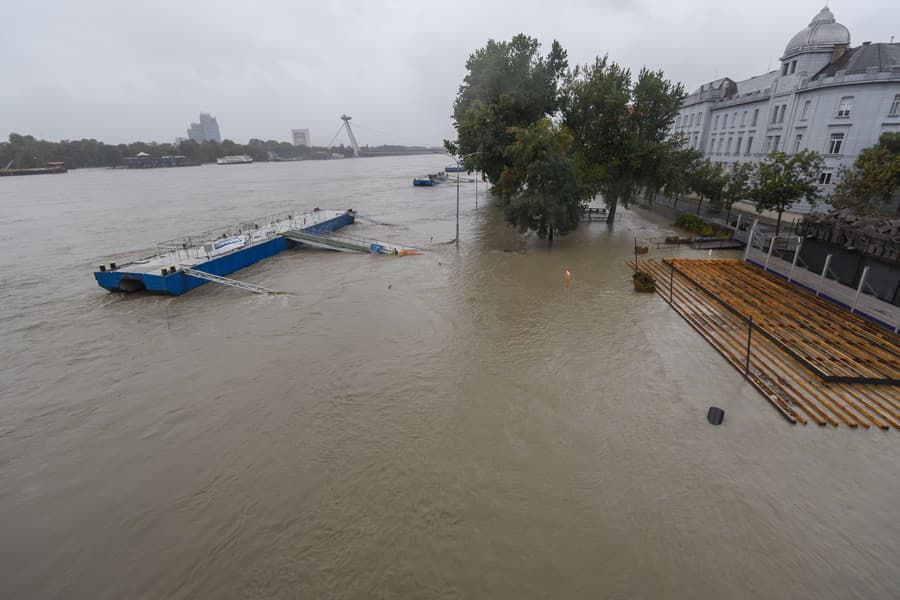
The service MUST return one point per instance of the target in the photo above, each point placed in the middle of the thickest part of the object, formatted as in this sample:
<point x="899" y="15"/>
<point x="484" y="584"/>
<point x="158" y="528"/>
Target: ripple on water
<point x="456" y="424"/>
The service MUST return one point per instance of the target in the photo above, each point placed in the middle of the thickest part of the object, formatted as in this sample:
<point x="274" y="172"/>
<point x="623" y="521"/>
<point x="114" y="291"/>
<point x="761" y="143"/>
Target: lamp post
<point x="457" y="208"/>
<point x="457" y="192"/>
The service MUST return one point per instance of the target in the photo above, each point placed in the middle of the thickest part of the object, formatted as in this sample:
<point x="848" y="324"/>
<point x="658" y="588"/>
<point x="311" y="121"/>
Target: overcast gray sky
<point x="122" y="71"/>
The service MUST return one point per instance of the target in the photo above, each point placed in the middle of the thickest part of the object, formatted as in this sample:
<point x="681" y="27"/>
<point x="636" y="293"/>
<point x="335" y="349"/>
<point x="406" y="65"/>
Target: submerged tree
<point x="782" y="179"/>
<point x="539" y="187"/>
<point x="620" y="128"/>
<point x="509" y="84"/>
<point x="590" y="130"/>
<point x="874" y="181"/>
<point x="595" y="107"/>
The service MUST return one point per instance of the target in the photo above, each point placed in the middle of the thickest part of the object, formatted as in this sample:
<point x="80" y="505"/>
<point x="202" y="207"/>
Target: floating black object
<point x="715" y="415"/>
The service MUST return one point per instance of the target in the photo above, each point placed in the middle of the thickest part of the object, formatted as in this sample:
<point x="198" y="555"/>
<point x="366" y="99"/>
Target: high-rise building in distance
<point x="207" y="130"/>
<point x="301" y="137"/>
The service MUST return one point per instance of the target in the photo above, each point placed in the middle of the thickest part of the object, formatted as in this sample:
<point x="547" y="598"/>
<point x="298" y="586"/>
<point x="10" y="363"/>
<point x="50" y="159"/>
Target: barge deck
<point x="218" y="252"/>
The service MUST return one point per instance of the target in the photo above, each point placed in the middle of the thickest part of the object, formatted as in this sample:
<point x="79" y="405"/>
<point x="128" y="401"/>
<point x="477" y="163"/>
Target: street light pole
<point x="457" y="208"/>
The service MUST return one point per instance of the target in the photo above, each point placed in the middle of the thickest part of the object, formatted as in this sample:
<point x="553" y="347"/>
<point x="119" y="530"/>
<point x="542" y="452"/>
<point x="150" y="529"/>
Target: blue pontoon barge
<point x="219" y="252"/>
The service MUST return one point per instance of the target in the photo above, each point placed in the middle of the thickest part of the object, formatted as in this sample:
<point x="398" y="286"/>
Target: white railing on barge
<point x="198" y="248"/>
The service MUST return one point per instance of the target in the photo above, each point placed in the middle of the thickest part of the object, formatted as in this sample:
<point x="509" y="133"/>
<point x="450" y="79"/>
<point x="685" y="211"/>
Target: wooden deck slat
<point x="817" y="339"/>
<point x="817" y="342"/>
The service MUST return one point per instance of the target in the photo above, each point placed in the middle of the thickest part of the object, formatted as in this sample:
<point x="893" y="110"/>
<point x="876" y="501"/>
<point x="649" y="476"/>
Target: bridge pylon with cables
<point x="346" y="125"/>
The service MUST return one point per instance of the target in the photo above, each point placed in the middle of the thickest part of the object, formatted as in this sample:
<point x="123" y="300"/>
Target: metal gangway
<point x="345" y="242"/>
<point x="257" y="289"/>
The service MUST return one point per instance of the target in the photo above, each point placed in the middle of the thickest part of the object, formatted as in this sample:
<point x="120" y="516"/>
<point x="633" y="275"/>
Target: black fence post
<point x="749" y="334"/>
<point x="671" y="280"/>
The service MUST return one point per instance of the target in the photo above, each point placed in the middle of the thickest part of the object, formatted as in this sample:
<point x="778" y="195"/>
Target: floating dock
<point x="812" y="360"/>
<point x="181" y="265"/>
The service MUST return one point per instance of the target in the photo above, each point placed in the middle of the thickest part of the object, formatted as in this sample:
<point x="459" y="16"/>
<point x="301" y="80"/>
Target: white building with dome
<point x="826" y="96"/>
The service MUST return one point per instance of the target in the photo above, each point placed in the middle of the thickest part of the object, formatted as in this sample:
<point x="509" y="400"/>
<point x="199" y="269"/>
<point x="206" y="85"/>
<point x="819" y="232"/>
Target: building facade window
<point x="768" y="147"/>
<point x="733" y="120"/>
<point x="725" y="121"/>
<point x="697" y="140"/>
<point x="728" y="147"/>
<point x="797" y="141"/>
<point x="844" y="107"/>
<point x="835" y="142"/>
<point x="776" y="142"/>
<point x="749" y="144"/>
<point x="716" y="123"/>
<point x="737" y="147"/>
<point x="825" y="178"/>
<point x="804" y="114"/>
<point x="755" y="115"/>
<point x="781" y="114"/>
<point x="719" y="151"/>
<point x="895" y="107"/>
<point x="793" y="67"/>
<point x="773" y="118"/>
<point x="744" y="118"/>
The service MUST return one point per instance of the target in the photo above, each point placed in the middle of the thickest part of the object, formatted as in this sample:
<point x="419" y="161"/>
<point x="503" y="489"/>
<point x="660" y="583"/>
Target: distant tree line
<point x="24" y="151"/>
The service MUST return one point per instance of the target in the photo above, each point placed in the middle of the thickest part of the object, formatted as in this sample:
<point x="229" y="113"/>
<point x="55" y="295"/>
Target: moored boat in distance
<point x="456" y="168"/>
<point x="236" y="159"/>
<point x="430" y="180"/>
<point x="52" y="168"/>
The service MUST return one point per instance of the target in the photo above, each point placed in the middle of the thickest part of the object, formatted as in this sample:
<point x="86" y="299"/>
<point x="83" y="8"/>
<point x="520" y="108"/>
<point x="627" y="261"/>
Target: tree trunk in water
<point x="675" y="204"/>
<point x="778" y="224"/>
<point x="728" y="216"/>
<point x="612" y="211"/>
<point x="550" y="235"/>
<point x="699" y="202"/>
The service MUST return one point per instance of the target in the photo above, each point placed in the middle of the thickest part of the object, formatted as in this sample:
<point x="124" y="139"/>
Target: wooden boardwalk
<point x="812" y="360"/>
<point x="866" y="304"/>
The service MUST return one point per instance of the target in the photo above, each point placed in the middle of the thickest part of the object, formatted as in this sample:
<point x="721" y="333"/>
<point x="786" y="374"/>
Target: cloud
<point x="124" y="71"/>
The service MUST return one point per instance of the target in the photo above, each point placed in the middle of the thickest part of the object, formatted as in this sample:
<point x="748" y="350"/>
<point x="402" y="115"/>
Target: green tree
<point x="620" y="128"/>
<point x="538" y="188"/>
<point x="782" y="179"/>
<point x="873" y="182"/>
<point x="594" y="103"/>
<point x="509" y="84"/>
<point x="737" y="185"/>
<point x="656" y="101"/>
<point x="680" y="165"/>
<point x="707" y="179"/>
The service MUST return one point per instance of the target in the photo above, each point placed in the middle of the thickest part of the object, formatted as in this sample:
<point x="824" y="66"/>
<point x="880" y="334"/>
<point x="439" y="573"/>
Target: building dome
<point x="823" y="33"/>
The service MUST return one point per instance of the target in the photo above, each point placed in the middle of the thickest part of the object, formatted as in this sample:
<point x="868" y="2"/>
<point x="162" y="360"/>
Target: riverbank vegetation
<point x="25" y="151"/>
<point x="551" y="137"/>
<point x="871" y="187"/>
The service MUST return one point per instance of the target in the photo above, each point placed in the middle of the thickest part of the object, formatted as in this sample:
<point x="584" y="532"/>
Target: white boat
<point x="238" y="159"/>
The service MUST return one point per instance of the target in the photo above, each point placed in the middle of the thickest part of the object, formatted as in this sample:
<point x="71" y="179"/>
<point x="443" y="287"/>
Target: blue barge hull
<point x="178" y="283"/>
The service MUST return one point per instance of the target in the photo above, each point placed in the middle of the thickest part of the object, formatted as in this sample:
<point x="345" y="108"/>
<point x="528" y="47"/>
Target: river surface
<point x="451" y="425"/>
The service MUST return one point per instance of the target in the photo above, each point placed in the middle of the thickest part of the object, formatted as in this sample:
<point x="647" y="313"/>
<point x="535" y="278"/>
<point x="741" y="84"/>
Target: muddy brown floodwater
<point x="452" y="425"/>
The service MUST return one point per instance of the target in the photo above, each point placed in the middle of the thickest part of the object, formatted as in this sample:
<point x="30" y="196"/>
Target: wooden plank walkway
<point x="831" y="290"/>
<point x="812" y="360"/>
